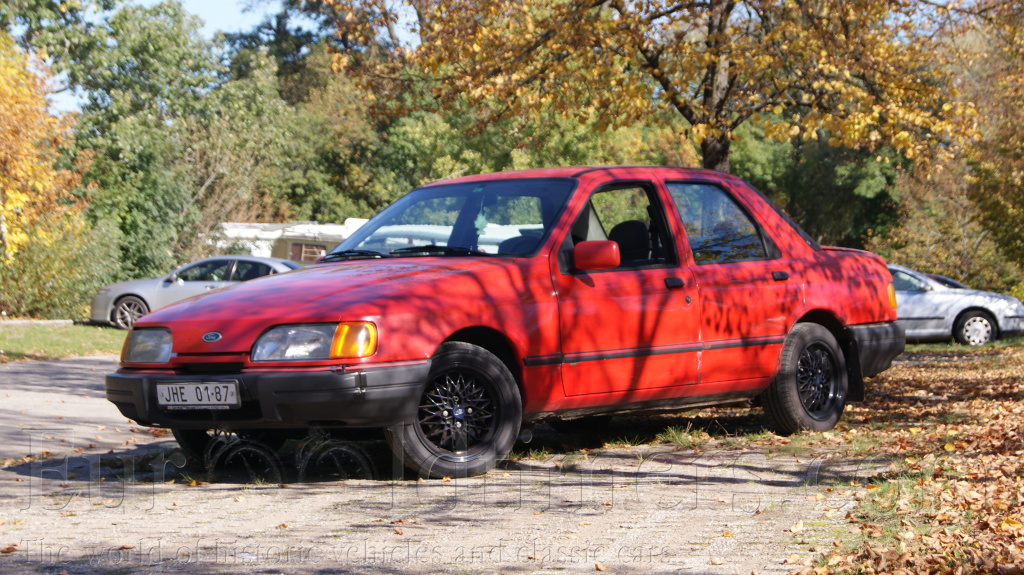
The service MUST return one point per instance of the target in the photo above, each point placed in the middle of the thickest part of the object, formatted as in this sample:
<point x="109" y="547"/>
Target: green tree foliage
<point x="56" y="278"/>
<point x="838" y="195"/>
<point x="62" y="29"/>
<point x="148" y="74"/>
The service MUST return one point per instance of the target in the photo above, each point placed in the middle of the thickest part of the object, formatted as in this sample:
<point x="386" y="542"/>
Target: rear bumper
<point x="877" y="344"/>
<point x="371" y="396"/>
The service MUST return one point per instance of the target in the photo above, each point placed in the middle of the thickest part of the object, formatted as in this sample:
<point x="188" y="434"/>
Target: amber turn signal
<point x="353" y="340"/>
<point x="892" y="296"/>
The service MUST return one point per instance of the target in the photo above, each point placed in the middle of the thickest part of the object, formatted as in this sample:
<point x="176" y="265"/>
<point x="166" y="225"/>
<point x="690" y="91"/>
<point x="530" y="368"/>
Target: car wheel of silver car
<point x="468" y="416"/>
<point x="127" y="310"/>
<point x="974" y="328"/>
<point x="809" y="391"/>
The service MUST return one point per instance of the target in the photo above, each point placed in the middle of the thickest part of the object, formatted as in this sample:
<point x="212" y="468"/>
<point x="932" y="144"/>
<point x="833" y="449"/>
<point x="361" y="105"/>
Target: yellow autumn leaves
<point x="30" y="186"/>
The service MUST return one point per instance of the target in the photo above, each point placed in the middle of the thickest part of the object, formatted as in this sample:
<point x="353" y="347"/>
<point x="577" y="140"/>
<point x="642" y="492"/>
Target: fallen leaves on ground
<point x="953" y="424"/>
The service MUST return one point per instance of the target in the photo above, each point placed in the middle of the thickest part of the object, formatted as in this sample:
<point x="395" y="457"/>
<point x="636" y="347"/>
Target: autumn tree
<point x="861" y="73"/>
<point x="30" y="137"/>
<point x="998" y="158"/>
<point x="942" y="231"/>
<point x="51" y="260"/>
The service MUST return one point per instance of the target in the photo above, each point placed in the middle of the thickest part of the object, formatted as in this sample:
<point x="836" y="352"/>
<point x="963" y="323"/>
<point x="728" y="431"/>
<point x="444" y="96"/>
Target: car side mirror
<point x="596" y="255"/>
<point x="171" y="278"/>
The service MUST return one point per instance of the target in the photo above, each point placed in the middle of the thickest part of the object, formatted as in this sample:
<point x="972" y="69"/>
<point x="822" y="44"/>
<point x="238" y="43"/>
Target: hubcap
<point x="977" y="331"/>
<point x="816" y="380"/>
<point x="457" y="412"/>
<point x="128" y="312"/>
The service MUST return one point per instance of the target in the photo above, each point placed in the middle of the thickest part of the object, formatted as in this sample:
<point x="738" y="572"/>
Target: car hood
<point x="996" y="298"/>
<point x="324" y="293"/>
<point x="133" y="285"/>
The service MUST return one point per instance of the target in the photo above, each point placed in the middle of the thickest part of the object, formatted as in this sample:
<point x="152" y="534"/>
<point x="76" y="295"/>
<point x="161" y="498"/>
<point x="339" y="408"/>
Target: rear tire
<point x="468" y="417"/>
<point x="975" y="328"/>
<point x="810" y="389"/>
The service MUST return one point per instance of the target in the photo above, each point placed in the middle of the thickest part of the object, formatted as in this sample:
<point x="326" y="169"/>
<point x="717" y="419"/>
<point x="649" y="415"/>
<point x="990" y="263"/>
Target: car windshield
<point x="950" y="283"/>
<point x="500" y="217"/>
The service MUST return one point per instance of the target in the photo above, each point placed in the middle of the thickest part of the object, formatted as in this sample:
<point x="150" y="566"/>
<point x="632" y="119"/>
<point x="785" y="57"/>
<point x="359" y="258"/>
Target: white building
<point x="297" y="241"/>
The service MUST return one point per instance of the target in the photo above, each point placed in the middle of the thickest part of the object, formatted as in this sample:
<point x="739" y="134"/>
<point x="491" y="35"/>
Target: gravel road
<point x="84" y="490"/>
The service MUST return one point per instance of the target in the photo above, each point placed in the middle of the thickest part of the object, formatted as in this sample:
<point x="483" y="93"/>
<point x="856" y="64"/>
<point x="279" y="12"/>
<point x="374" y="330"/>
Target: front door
<point x="634" y="327"/>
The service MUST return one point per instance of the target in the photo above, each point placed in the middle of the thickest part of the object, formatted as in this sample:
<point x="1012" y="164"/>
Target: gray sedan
<point x="123" y="303"/>
<point x="931" y="309"/>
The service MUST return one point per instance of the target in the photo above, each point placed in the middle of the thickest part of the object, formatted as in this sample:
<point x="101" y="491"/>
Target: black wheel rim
<point x="816" y="380"/>
<point x="457" y="413"/>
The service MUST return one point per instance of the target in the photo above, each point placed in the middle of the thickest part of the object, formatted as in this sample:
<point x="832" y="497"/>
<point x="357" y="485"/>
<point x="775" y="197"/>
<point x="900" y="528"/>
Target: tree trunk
<point x="716" y="153"/>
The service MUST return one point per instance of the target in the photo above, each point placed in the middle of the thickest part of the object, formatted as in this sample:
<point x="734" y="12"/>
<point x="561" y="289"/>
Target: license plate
<point x="201" y="395"/>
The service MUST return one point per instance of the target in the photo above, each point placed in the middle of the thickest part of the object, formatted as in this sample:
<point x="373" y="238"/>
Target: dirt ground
<point x="84" y="490"/>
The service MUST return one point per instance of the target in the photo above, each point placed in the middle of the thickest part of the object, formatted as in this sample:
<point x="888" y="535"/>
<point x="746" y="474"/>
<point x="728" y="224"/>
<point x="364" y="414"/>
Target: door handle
<point x="674" y="283"/>
<point x="780" y="276"/>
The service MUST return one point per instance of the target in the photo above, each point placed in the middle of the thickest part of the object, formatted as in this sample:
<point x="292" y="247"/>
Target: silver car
<point x="123" y="303"/>
<point x="935" y="309"/>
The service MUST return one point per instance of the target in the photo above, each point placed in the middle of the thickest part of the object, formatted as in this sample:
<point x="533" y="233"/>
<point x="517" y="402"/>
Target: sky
<point x="226" y="15"/>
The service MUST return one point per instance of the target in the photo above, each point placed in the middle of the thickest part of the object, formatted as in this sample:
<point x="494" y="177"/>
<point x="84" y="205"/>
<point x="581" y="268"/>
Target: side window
<point x="245" y="271"/>
<point x="629" y="217"/>
<point x="719" y="231"/>
<point x="906" y="282"/>
<point x="211" y="271"/>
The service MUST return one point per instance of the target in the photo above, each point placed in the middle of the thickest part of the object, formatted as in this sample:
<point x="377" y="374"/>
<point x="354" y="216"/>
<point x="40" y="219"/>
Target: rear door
<point x="749" y="292"/>
<point x="634" y="327"/>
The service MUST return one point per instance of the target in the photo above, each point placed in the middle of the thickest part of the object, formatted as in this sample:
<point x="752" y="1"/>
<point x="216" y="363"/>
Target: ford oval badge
<point x="211" y="337"/>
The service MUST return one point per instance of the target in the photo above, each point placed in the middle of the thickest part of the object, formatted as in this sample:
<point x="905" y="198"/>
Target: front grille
<point x="227" y="367"/>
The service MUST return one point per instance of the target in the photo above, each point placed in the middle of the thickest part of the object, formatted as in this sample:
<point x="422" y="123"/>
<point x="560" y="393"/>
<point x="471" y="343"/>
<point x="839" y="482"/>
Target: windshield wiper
<point x="353" y="255"/>
<point x="441" y="250"/>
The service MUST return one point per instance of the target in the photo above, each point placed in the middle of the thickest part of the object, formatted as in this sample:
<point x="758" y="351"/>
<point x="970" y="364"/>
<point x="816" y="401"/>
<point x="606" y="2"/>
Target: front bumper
<point x="100" y="309"/>
<point x="1011" y="326"/>
<point x="370" y="396"/>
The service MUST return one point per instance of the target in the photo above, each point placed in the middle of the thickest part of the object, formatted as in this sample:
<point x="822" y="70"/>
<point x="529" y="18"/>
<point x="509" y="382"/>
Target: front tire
<point x="468" y="417"/>
<point x="810" y="389"/>
<point x="127" y="310"/>
<point x="974" y="328"/>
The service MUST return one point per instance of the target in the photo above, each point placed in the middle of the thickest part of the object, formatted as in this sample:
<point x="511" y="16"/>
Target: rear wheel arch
<point x="809" y="390"/>
<point x="829" y="321"/>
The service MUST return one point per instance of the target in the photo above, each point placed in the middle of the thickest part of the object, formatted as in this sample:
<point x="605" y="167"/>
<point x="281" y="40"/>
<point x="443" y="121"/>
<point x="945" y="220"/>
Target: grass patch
<point x="687" y="438"/>
<point x="49" y="341"/>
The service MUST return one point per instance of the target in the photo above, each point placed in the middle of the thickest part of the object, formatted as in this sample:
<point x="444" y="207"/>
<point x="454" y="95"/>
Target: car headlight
<point x="310" y="342"/>
<point x="147" y="346"/>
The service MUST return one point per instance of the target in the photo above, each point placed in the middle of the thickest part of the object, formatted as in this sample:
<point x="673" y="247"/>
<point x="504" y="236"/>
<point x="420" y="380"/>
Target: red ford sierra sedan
<point x="473" y="306"/>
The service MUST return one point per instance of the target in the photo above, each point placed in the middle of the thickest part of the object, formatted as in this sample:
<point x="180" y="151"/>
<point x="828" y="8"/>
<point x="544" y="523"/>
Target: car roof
<point x="579" y="171"/>
<point x="260" y="259"/>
